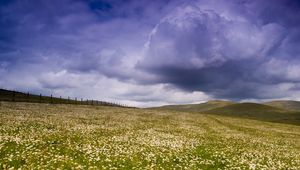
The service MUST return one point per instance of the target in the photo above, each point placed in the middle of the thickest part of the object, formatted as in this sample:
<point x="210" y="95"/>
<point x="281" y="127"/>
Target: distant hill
<point x="243" y="110"/>
<point x="258" y="112"/>
<point x="285" y="104"/>
<point x="247" y="109"/>
<point x="201" y="107"/>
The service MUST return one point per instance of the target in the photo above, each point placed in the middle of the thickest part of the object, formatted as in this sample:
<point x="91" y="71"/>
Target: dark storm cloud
<point x="80" y="36"/>
<point x="235" y="50"/>
<point x="65" y="46"/>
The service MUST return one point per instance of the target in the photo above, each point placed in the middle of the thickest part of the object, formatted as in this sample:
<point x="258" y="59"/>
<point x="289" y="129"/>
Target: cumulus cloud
<point x="231" y="54"/>
<point x="152" y="52"/>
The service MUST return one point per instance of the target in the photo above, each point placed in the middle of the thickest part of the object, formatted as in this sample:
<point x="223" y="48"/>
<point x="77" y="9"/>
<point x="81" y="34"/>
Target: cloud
<point x="99" y="87"/>
<point x="230" y="55"/>
<point x="79" y="49"/>
<point x="152" y="52"/>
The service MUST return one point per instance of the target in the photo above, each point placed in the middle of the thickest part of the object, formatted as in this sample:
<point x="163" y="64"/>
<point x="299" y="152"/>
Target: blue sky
<point x="148" y="53"/>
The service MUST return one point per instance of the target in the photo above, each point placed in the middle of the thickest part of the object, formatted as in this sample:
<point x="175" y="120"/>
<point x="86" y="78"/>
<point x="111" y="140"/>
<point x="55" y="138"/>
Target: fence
<point x="17" y="96"/>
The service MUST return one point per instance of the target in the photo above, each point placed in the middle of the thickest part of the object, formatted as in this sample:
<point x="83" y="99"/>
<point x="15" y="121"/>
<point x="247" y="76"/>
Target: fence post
<point x="75" y="100"/>
<point x="14" y="95"/>
<point x="92" y="102"/>
<point x="68" y="99"/>
<point x="51" y="99"/>
<point x="27" y="96"/>
<point x="81" y="101"/>
<point x="40" y="97"/>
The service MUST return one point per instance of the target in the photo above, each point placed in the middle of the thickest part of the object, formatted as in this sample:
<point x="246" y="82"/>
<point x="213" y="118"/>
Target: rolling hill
<point x="258" y="112"/>
<point x="285" y="104"/>
<point x="242" y="110"/>
<point x="201" y="107"/>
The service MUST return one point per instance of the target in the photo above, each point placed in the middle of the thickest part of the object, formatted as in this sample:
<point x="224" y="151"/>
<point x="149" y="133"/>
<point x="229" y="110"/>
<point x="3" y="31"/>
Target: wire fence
<point x="18" y="96"/>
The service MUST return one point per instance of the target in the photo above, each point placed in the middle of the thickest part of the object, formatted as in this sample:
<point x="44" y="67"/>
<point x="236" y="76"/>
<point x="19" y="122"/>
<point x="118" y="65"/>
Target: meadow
<point x="61" y="136"/>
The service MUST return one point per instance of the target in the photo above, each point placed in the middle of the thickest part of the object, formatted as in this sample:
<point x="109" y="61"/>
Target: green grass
<point x="258" y="112"/>
<point x="52" y="136"/>
<point x="285" y="104"/>
<point x="201" y="107"/>
<point x="264" y="112"/>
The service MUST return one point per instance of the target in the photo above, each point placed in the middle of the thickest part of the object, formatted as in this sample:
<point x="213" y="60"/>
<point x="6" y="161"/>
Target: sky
<point x="152" y="52"/>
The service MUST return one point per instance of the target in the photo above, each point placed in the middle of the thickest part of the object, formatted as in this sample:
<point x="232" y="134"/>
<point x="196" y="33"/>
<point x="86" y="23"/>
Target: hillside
<point x="52" y="136"/>
<point x="201" y="107"/>
<point x="285" y="104"/>
<point x="258" y="112"/>
<point x="15" y="96"/>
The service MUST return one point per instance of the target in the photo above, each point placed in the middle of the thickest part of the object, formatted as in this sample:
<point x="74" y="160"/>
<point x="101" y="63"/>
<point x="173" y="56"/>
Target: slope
<point x="258" y="112"/>
<point x="201" y="107"/>
<point x="285" y="104"/>
<point x="15" y="96"/>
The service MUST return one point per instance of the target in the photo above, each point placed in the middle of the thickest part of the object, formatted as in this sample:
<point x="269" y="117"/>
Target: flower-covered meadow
<point x="45" y="136"/>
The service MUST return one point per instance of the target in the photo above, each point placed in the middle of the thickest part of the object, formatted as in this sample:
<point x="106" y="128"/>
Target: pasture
<point x="53" y="136"/>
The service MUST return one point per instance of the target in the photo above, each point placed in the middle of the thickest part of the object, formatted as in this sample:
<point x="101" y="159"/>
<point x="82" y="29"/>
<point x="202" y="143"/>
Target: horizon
<point x="152" y="53"/>
<point x="84" y="101"/>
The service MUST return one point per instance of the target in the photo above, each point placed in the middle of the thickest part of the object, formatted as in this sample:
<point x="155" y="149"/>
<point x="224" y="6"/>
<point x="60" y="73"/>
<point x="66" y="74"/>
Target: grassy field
<point x="49" y="136"/>
<point x="285" y="104"/>
<point x="259" y="112"/>
<point x="277" y="111"/>
<point x="202" y="107"/>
